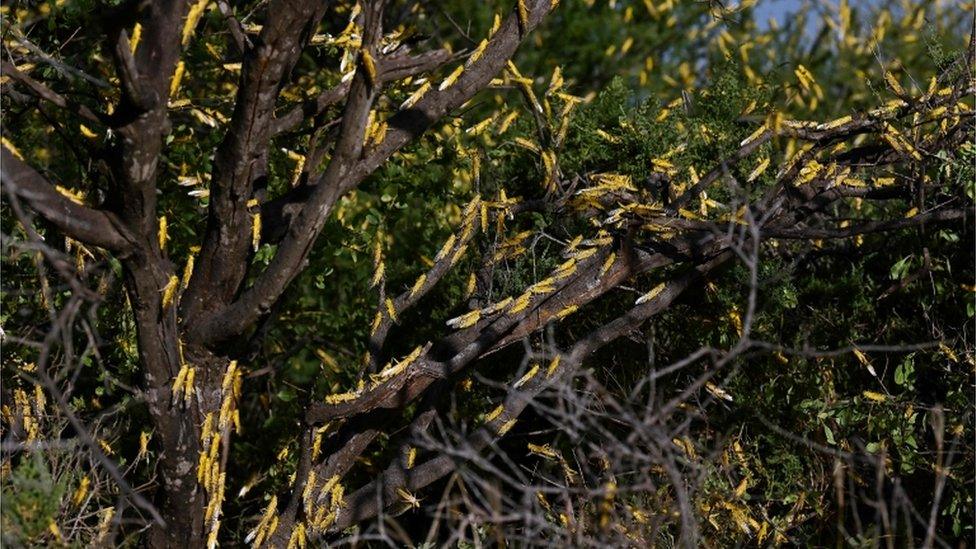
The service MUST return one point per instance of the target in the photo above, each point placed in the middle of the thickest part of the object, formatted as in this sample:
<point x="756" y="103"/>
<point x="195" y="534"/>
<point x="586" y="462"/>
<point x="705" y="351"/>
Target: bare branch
<point x="46" y="93"/>
<point x="346" y="170"/>
<point x="365" y="502"/>
<point x="80" y="222"/>
<point x="236" y="31"/>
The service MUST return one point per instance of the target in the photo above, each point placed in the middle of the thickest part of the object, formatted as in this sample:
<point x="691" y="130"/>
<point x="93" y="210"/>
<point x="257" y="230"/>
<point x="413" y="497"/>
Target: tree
<point x="607" y="194"/>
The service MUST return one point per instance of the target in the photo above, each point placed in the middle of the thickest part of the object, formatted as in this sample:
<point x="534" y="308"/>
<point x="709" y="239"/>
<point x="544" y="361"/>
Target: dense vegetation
<point x="705" y="279"/>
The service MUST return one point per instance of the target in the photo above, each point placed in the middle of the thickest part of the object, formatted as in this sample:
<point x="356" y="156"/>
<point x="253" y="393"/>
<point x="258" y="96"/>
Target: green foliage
<point x="32" y="499"/>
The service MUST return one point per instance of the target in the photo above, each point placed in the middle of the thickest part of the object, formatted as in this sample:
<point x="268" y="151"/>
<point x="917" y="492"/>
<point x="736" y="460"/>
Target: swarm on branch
<point x="194" y="328"/>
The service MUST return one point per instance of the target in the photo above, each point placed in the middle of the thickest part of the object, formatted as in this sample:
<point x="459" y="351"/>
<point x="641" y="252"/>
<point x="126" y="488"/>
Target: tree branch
<point x="369" y="500"/>
<point x="77" y="221"/>
<point x="389" y="69"/>
<point x="240" y="163"/>
<point x="43" y="92"/>
<point x="346" y="171"/>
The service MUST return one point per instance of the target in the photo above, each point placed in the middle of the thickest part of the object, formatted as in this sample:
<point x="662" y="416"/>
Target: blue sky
<point x="782" y="9"/>
<point x="776" y="9"/>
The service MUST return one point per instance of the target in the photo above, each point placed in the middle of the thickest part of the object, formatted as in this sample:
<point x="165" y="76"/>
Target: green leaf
<point x="830" y="435"/>
<point x="905" y="372"/>
<point x="899" y="269"/>
<point x="286" y="394"/>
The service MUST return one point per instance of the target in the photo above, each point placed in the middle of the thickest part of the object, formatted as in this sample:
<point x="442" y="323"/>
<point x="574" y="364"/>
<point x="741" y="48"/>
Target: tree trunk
<point x="178" y="416"/>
